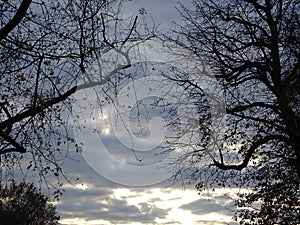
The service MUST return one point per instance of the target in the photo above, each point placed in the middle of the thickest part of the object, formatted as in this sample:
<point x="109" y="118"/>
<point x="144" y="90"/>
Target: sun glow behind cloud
<point x="81" y="186"/>
<point x="106" y="131"/>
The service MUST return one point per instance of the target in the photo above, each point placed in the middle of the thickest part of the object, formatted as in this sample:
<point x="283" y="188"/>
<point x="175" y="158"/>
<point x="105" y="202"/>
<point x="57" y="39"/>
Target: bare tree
<point x="252" y="48"/>
<point x="46" y="49"/>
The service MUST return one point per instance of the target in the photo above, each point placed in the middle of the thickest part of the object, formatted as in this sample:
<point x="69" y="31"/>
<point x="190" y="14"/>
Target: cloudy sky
<point x="111" y="191"/>
<point x="96" y="200"/>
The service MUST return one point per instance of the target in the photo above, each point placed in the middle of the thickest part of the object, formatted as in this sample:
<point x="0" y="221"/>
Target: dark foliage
<point x="23" y="204"/>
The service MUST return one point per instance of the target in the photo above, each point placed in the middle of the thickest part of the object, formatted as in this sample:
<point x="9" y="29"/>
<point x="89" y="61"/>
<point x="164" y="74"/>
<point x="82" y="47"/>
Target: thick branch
<point x="258" y="119"/>
<point x="250" y="152"/>
<point x="242" y="108"/>
<point x="34" y="110"/>
<point x="16" y="19"/>
<point x="17" y="146"/>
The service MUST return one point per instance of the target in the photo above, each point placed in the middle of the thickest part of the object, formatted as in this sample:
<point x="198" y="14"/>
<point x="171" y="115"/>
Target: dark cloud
<point x="98" y="204"/>
<point x="214" y="222"/>
<point x="120" y="211"/>
<point x="204" y="206"/>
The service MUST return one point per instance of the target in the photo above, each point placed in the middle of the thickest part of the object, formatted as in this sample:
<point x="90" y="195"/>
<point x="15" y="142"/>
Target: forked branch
<point x="250" y="152"/>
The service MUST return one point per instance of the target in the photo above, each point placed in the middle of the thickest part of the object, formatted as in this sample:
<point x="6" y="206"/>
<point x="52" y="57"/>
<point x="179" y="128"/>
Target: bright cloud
<point x="149" y="205"/>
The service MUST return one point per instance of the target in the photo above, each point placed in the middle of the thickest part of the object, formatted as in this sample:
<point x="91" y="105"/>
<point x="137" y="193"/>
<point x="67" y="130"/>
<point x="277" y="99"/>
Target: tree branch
<point x="131" y="30"/>
<point x="250" y="152"/>
<point x="241" y="108"/>
<point x="16" y="19"/>
<point x="17" y="146"/>
<point x="46" y="104"/>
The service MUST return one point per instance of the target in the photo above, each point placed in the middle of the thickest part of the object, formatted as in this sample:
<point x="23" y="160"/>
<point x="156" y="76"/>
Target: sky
<point x="113" y="188"/>
<point x="96" y="200"/>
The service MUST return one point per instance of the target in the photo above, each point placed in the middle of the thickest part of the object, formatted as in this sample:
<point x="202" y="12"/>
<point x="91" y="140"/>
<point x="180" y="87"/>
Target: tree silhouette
<point x="22" y="204"/>
<point x="252" y="48"/>
<point x="47" y="49"/>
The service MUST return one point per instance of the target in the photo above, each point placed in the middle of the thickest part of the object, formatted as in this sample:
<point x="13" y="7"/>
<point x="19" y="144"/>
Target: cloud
<point x="100" y="204"/>
<point x="95" y="200"/>
<point x="203" y="206"/>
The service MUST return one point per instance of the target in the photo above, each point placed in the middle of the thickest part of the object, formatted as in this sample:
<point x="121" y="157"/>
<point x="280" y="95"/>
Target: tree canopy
<point x="252" y="48"/>
<point x="22" y="204"/>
